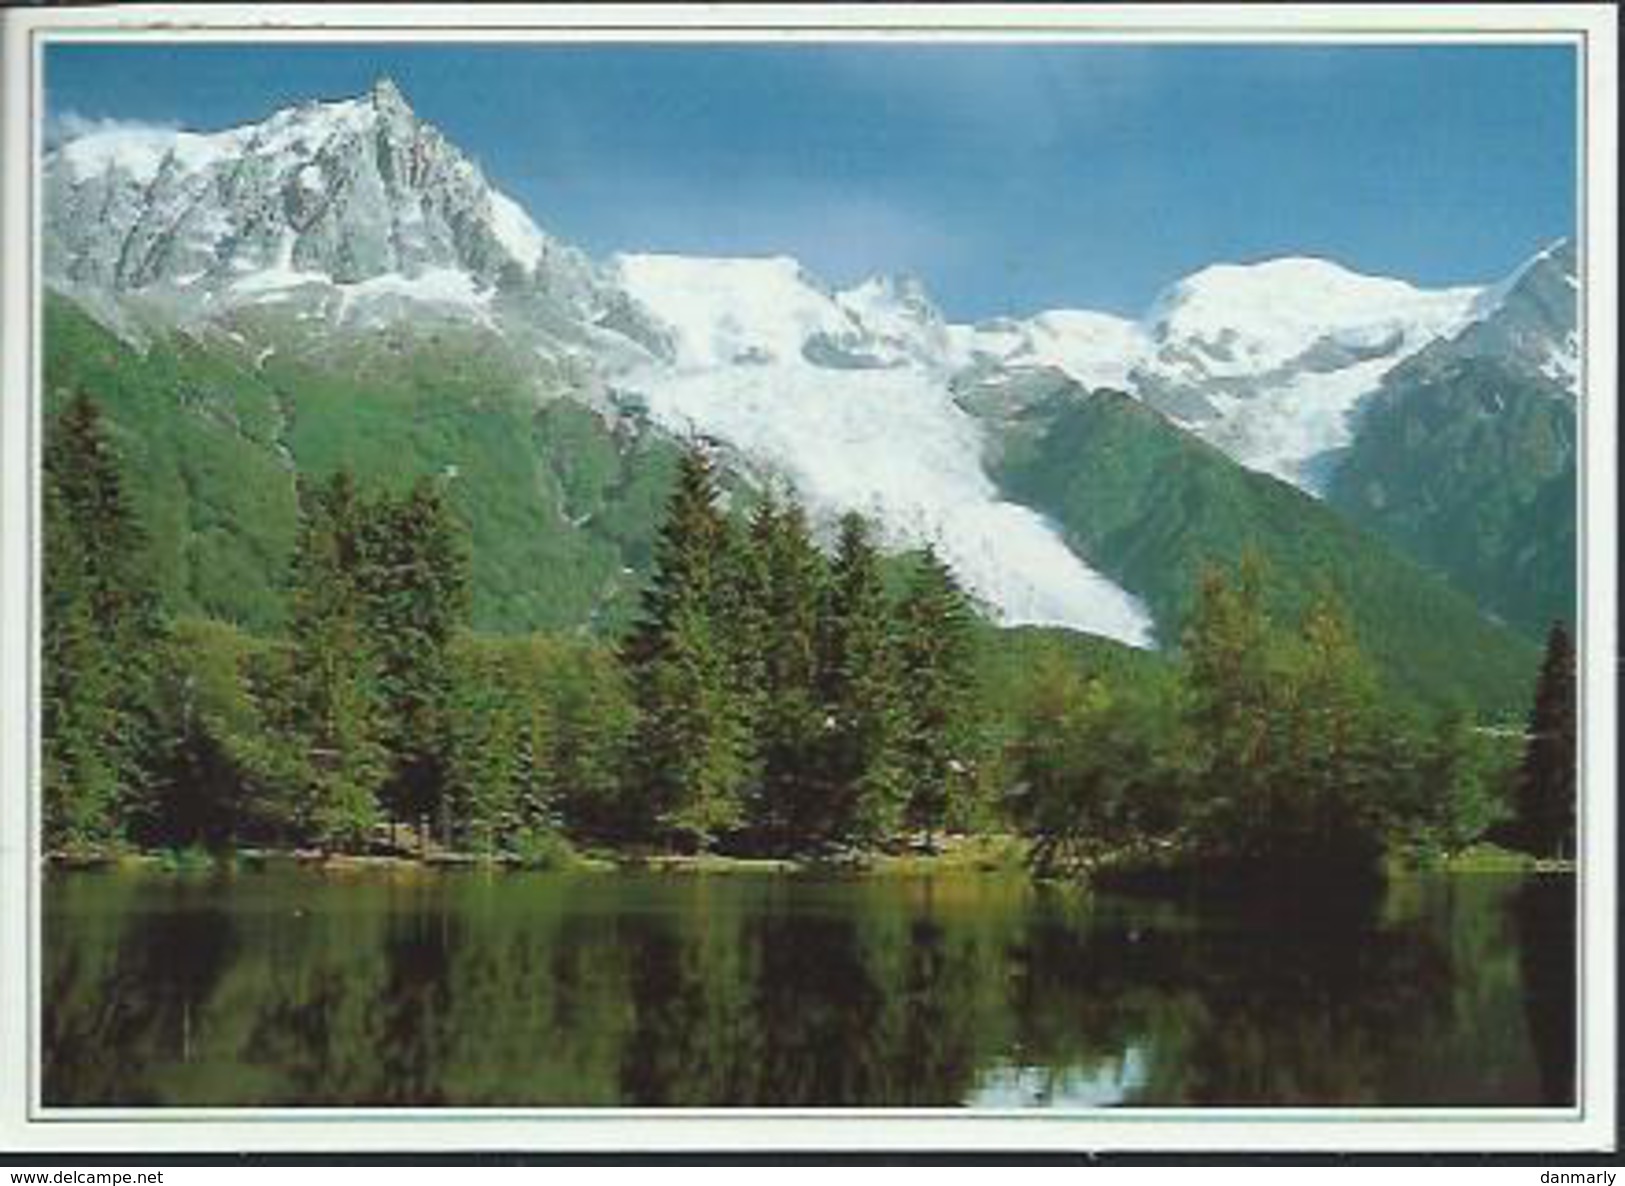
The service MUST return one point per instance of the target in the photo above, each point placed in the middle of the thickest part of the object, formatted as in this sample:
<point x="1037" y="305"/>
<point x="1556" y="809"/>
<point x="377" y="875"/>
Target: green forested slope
<point x="1471" y="471"/>
<point x="562" y="507"/>
<point x="1150" y="505"/>
<point x="211" y="434"/>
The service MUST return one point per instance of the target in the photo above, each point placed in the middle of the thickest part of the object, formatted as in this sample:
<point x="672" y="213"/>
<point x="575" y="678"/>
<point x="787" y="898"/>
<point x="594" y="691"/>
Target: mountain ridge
<point x="865" y="398"/>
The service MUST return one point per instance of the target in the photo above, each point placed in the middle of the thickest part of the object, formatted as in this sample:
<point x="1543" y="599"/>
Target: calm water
<point x="297" y="988"/>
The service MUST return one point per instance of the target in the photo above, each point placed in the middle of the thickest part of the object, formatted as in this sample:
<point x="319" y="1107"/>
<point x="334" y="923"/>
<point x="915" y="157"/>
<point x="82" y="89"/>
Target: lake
<point x="287" y="986"/>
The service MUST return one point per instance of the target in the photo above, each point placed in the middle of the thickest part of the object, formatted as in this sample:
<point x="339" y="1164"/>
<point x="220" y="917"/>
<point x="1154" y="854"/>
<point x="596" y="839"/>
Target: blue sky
<point x="1009" y="178"/>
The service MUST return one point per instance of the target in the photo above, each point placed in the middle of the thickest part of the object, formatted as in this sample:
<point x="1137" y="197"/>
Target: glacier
<point x="887" y="440"/>
<point x="356" y="213"/>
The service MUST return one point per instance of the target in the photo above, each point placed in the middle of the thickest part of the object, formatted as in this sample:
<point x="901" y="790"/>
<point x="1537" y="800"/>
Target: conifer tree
<point x="792" y="805"/>
<point x="103" y="635"/>
<point x="335" y="710"/>
<point x="689" y="745"/>
<point x="1293" y="781"/>
<point x="1547" y="779"/>
<point x="1332" y="792"/>
<point x="221" y="780"/>
<point x="1057" y="801"/>
<point x="486" y="747"/>
<point x="743" y="626"/>
<point x="78" y="692"/>
<point x="586" y="758"/>
<point x="864" y="759"/>
<point x="1230" y="675"/>
<point x="938" y="674"/>
<point x="413" y="574"/>
<point x="538" y="789"/>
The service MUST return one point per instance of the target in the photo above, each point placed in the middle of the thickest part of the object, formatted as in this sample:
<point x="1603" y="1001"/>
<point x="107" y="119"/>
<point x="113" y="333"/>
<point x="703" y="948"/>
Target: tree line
<point x="1273" y="751"/>
<point x="759" y="705"/>
<point x="788" y="698"/>
<point x="773" y="698"/>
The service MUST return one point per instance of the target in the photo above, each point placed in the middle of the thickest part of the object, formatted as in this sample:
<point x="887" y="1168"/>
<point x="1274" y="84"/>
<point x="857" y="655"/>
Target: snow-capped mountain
<point x="792" y="377"/>
<point x="356" y="213"/>
<point x="1267" y="361"/>
<point x="1528" y="322"/>
<point x="352" y="210"/>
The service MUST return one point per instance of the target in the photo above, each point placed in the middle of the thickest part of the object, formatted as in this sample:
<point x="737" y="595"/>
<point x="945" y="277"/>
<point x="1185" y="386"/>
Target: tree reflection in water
<point x="1546" y="930"/>
<point x="290" y="988"/>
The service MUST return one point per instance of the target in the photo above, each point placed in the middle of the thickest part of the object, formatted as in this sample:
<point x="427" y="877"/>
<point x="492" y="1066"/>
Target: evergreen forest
<point x="779" y="691"/>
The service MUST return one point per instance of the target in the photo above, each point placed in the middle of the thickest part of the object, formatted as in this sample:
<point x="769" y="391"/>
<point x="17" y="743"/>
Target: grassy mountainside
<point x="1471" y="471"/>
<point x="561" y="506"/>
<point x="1150" y="506"/>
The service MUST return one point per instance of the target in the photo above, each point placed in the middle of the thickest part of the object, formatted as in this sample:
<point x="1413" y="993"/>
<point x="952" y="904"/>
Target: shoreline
<point x="993" y="854"/>
<point x="989" y="854"/>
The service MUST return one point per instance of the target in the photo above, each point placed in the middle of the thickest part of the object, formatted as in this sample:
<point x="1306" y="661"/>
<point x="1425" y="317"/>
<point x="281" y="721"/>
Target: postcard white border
<point x="25" y="1125"/>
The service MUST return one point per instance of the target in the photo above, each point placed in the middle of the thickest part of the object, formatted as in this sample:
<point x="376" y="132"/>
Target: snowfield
<point x="1244" y="320"/>
<point x="889" y="441"/>
<point x="1278" y="353"/>
<point x="894" y="446"/>
<point x="358" y="213"/>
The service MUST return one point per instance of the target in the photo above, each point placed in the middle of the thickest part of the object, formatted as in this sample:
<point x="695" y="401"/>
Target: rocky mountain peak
<point x="1528" y="323"/>
<point x="387" y="98"/>
<point x="333" y="206"/>
<point x="359" y="211"/>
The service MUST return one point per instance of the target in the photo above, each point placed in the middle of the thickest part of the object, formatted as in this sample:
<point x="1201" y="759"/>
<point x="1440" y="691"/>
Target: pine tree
<point x="1333" y="792"/>
<point x="792" y="807"/>
<point x="486" y="745"/>
<point x="102" y="644"/>
<point x="220" y="782"/>
<point x="1547" y="779"/>
<point x="741" y="619"/>
<point x="1229" y="671"/>
<point x="413" y="576"/>
<point x="1056" y="800"/>
<point x="689" y="745"/>
<point x="538" y="790"/>
<point x="335" y="714"/>
<point x="1293" y="781"/>
<point x="78" y="693"/>
<point x="864" y="756"/>
<point x="938" y="674"/>
<point x="587" y="754"/>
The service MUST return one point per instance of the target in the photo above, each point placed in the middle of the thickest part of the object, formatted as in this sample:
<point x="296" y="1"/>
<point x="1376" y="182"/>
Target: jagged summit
<point x="353" y="204"/>
<point x="358" y="213"/>
<point x="1528" y="322"/>
<point x="902" y="288"/>
<point x="387" y="96"/>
